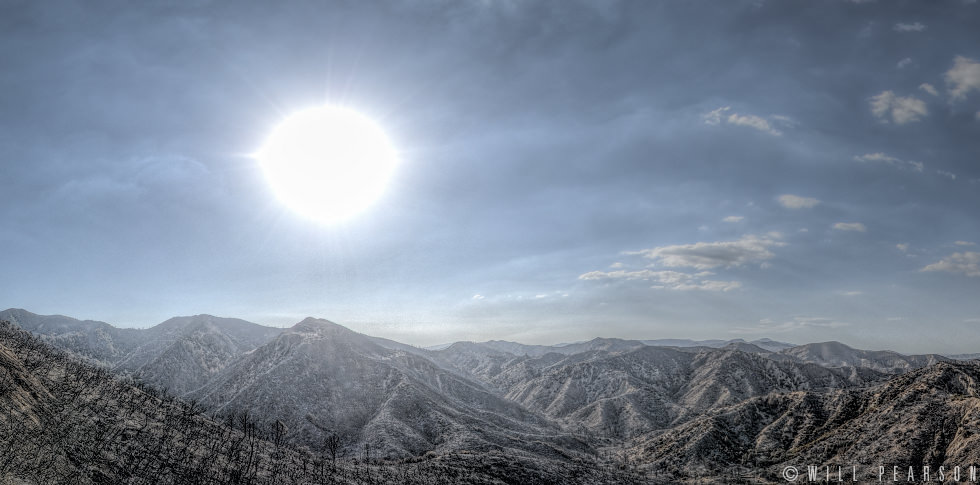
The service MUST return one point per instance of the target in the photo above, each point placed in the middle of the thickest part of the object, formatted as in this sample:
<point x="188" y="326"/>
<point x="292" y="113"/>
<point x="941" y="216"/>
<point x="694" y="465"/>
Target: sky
<point x="802" y="171"/>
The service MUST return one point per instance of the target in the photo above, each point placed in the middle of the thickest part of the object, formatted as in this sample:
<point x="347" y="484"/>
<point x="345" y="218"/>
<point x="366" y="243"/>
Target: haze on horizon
<point x="569" y="169"/>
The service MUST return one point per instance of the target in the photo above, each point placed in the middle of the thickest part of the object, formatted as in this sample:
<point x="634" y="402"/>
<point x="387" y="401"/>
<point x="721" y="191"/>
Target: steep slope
<point x="727" y="376"/>
<point x="65" y="421"/>
<point x="180" y="354"/>
<point x="62" y="421"/>
<point x="201" y="347"/>
<point x="475" y="361"/>
<point x="96" y="341"/>
<point x="928" y="417"/>
<point x="612" y="395"/>
<point x="239" y="335"/>
<point x="184" y="353"/>
<point x="320" y="378"/>
<point x="627" y="394"/>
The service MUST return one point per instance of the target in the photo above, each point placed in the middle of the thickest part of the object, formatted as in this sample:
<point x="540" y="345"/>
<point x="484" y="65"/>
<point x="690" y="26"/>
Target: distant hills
<point x="606" y="409"/>
<point x="612" y="343"/>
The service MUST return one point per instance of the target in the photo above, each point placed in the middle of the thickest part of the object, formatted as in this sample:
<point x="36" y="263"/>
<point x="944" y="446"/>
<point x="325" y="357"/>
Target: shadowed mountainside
<point x="63" y="420"/>
<point x="406" y="405"/>
<point x="928" y="417"/>
<point x="662" y="414"/>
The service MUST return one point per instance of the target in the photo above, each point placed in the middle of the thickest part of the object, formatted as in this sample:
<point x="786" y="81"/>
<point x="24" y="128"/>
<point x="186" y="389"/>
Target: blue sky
<point x="803" y="171"/>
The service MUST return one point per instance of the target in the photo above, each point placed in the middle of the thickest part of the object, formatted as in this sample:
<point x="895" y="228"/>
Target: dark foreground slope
<point x="65" y="421"/>
<point x="928" y="417"/>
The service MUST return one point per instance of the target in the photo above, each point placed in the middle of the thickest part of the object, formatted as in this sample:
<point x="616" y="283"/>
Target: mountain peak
<point x="319" y="326"/>
<point x="832" y="344"/>
<point x="186" y="322"/>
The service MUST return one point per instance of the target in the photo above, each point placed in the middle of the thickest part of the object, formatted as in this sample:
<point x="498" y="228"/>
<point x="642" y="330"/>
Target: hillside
<point x="605" y="410"/>
<point x="65" y="421"/>
<point x="321" y="377"/>
<point x="928" y="417"/>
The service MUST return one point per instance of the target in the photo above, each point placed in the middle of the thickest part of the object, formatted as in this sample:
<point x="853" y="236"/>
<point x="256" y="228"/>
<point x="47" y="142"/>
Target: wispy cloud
<point x="722" y="114"/>
<point x="791" y="201"/>
<point x="708" y="255"/>
<point x="795" y="323"/>
<point x="901" y="110"/>
<point x="699" y="257"/>
<point x="963" y="77"/>
<point x="950" y="175"/>
<point x="733" y="219"/>
<point x="667" y="280"/>
<point x="965" y="243"/>
<point x="879" y="157"/>
<point x="967" y="263"/>
<point x="850" y="226"/>
<point x="929" y="88"/>
<point x="913" y="27"/>
<point x="902" y="64"/>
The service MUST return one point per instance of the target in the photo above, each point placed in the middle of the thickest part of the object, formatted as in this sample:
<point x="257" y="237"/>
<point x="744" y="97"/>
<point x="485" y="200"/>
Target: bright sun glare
<point x="327" y="163"/>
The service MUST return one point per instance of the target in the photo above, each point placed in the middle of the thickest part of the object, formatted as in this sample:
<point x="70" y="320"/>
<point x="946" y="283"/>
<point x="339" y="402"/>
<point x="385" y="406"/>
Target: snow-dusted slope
<point x="836" y="354"/>
<point x="95" y="341"/>
<point x="321" y="378"/>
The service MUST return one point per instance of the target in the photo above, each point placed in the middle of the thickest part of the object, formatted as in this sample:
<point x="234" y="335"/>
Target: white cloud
<point x="889" y="160"/>
<point x="722" y="114"/>
<point x="795" y="323"/>
<point x="967" y="262"/>
<point x="850" y="226"/>
<point x="478" y="297"/>
<point x="617" y="265"/>
<point x="753" y="121"/>
<point x="707" y="255"/>
<point x="700" y="257"/>
<point x="965" y="243"/>
<point x="902" y="64"/>
<point x="667" y="280"/>
<point x="714" y="117"/>
<point x="929" y="88"/>
<point x="733" y="219"/>
<point x="904" y="247"/>
<point x="963" y="77"/>
<point x="901" y="110"/>
<point x="791" y="201"/>
<point x="951" y="175"/>
<point x="852" y="293"/>
<point x="914" y="27"/>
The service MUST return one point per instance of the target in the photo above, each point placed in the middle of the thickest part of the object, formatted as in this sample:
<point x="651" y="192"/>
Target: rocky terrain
<point x="606" y="410"/>
<point x="63" y="420"/>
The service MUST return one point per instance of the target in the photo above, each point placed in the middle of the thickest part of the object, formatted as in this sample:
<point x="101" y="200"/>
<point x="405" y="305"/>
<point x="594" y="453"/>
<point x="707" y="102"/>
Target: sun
<point x="327" y="163"/>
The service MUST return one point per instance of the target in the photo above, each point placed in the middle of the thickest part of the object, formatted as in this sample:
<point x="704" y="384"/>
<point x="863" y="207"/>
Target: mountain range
<point x="604" y="409"/>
